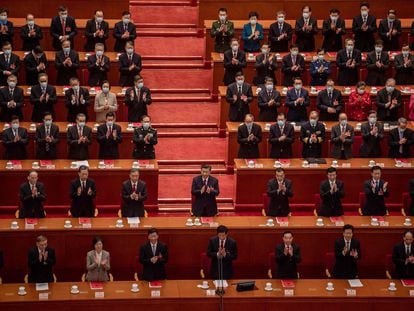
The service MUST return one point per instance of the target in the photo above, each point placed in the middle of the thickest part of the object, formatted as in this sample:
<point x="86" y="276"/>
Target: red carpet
<point x="189" y="46"/>
<point x="164" y="15"/>
<point x="178" y="78"/>
<point x="165" y="112"/>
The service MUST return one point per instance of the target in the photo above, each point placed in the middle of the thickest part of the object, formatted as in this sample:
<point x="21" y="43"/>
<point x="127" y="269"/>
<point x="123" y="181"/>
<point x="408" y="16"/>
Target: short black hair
<point x="38" y="49"/>
<point x="205" y="165"/>
<point x="239" y="74"/>
<point x="152" y="230"/>
<point x="222" y="10"/>
<point x="137" y="77"/>
<point x="96" y="240"/>
<point x="82" y="168"/>
<point x="348" y="226"/>
<point x="331" y="170"/>
<point x="307" y="6"/>
<point x="47" y="113"/>
<point x="376" y="168"/>
<point x="5" y="43"/>
<point x="364" y="4"/>
<point x="360" y="83"/>
<point x="334" y="11"/>
<point x="126" y="13"/>
<point x="222" y="229"/>
<point x="292" y="46"/>
<point x="14" y="117"/>
<point x="280" y="169"/>
<point x="253" y="13"/>
<point x="2" y="10"/>
<point x="110" y="114"/>
<point x="287" y="232"/>
<point x="320" y="50"/>
<point x="281" y="114"/>
<point x="379" y="42"/>
<point x="62" y="8"/>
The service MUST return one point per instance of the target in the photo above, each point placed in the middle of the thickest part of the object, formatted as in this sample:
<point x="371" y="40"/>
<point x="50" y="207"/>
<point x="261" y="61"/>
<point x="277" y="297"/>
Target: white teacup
<point x="407" y="222"/>
<point x="392" y="286"/>
<point x="68" y="224"/>
<point x="374" y="221"/>
<point x="135" y="164"/>
<point x="329" y="286"/>
<point x="14" y="225"/>
<point x="334" y="163"/>
<point x="101" y="164"/>
<point x="134" y="287"/>
<point x="251" y="164"/>
<point x="347" y="89"/>
<point x="278" y="164"/>
<point x="319" y="222"/>
<point x="35" y="165"/>
<point x="386" y="125"/>
<point x="270" y="222"/>
<point x="189" y="222"/>
<point x="119" y="223"/>
<point x="73" y="165"/>
<point x="305" y="163"/>
<point x="9" y="164"/>
<point x="268" y="286"/>
<point x="371" y="163"/>
<point x="398" y="163"/>
<point x="197" y="221"/>
<point x="74" y="289"/>
<point x="205" y="284"/>
<point x="22" y="290"/>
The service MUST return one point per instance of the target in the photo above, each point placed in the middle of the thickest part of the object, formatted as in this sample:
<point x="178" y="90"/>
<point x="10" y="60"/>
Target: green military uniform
<point x="222" y="40"/>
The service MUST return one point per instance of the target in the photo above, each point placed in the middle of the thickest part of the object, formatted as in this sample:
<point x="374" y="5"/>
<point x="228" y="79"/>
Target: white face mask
<point x="343" y="122"/>
<point x="146" y="125"/>
<point x="321" y="57"/>
<point x="30" y="23"/>
<point x="43" y="84"/>
<point x="334" y="18"/>
<point x="48" y="122"/>
<point x="372" y="120"/>
<point x="378" y="49"/>
<point x="360" y="92"/>
<point x="125" y="20"/>
<point x="269" y="87"/>
<point x="64" y="16"/>
<point x="313" y="122"/>
<point x="280" y="19"/>
<point x="294" y="52"/>
<point x="298" y="86"/>
<point x="99" y="19"/>
<point x="240" y="81"/>
<point x="405" y="53"/>
<point x="109" y="123"/>
<point x="222" y="18"/>
<point x="99" y="53"/>
<point x="253" y="21"/>
<point x="305" y="15"/>
<point x="140" y="85"/>
<point x="390" y="89"/>
<point x="349" y="48"/>
<point x="234" y="48"/>
<point x="75" y="87"/>
<point x="364" y="13"/>
<point x="81" y="124"/>
<point x="264" y="51"/>
<point x="130" y="51"/>
<point x="105" y="90"/>
<point x="15" y="126"/>
<point x="11" y="84"/>
<point x="329" y="88"/>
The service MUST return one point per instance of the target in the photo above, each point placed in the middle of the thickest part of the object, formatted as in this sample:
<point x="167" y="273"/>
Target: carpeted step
<point x="181" y="112"/>
<point x="169" y="32"/>
<point x="180" y="209"/>
<point x="133" y="3"/>
<point x="184" y="46"/>
<point x="166" y="14"/>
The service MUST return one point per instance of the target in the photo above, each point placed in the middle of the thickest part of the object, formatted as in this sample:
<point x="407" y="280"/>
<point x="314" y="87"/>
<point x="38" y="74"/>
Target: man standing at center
<point x="204" y="189"/>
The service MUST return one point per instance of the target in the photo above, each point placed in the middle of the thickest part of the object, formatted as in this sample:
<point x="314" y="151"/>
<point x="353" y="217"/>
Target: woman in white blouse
<point x="97" y="262"/>
<point x="105" y="101"/>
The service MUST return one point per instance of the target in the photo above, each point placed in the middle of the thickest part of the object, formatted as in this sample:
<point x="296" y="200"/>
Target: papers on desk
<point x="155" y="284"/>
<point x="355" y="283"/>
<point x="220" y="283"/>
<point x="77" y="164"/>
<point x="96" y="285"/>
<point x="338" y="221"/>
<point x="288" y="283"/>
<point x="31" y="221"/>
<point x="133" y="220"/>
<point x="42" y="286"/>
<point x="407" y="283"/>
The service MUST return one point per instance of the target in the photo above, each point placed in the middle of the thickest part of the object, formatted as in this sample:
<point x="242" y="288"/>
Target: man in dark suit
<point x="347" y="253"/>
<point x="404" y="66"/>
<point x="234" y="61"/>
<point x="137" y="98"/>
<point x="400" y="140"/>
<point x="342" y="138"/>
<point x="130" y="65"/>
<point x="281" y="138"/>
<point x="204" y="190"/>
<point x="389" y="30"/>
<point x="43" y="98"/>
<point x="96" y="31"/>
<point x="66" y="63"/>
<point x="329" y="102"/>
<point x="77" y="100"/>
<point x="6" y="27"/>
<point x="333" y="28"/>
<point x="348" y="61"/>
<point x="134" y="193"/>
<point x="34" y="63"/>
<point x="82" y="193"/>
<point x="32" y="195"/>
<point x="364" y="27"/>
<point x="293" y="65"/>
<point x="305" y="29"/>
<point x="41" y="260"/>
<point x="239" y="95"/>
<point x="31" y="34"/>
<point x="109" y="136"/>
<point x="388" y="102"/>
<point x="145" y="138"/>
<point x="79" y="138"/>
<point x="297" y="99"/>
<point x="222" y="248"/>
<point x="98" y="66"/>
<point x="9" y="63"/>
<point x="249" y="136"/>
<point x="279" y="190"/>
<point x="377" y="65"/>
<point x="280" y="34"/>
<point x="312" y="135"/>
<point x="62" y="28"/>
<point x="47" y="137"/>
<point x="287" y="255"/>
<point x="376" y="190"/>
<point x="124" y="31"/>
<point x="266" y="65"/>
<point x="268" y="100"/>
<point x="372" y="133"/>
<point x="11" y="100"/>
<point x="403" y="257"/>
<point x="15" y="140"/>
<point x="153" y="255"/>
<point x="331" y="192"/>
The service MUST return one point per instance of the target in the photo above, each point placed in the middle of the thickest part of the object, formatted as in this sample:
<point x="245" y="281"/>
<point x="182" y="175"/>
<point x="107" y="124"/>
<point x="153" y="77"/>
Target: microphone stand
<point x="220" y="287"/>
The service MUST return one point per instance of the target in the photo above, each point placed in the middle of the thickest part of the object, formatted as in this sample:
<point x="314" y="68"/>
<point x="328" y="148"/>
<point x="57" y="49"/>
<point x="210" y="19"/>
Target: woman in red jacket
<point x="359" y="103"/>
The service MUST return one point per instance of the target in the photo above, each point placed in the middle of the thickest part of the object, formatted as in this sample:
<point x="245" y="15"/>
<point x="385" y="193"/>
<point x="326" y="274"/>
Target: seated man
<point x="77" y="100"/>
<point x="287" y="256"/>
<point x="134" y="193"/>
<point x="400" y="140"/>
<point x="32" y="195"/>
<point x="9" y="63"/>
<point x="388" y="102"/>
<point x="66" y="63"/>
<point x="130" y="65"/>
<point x="204" y="190"/>
<point x="403" y="257"/>
<point x="43" y="98"/>
<point x="331" y="191"/>
<point x="376" y="190"/>
<point x="34" y="63"/>
<point x="269" y="101"/>
<point x="281" y="138"/>
<point x="153" y="255"/>
<point x="109" y="137"/>
<point x="15" y="140"/>
<point x="320" y="69"/>
<point x="279" y="190"/>
<point x="249" y="136"/>
<point x="47" y="137"/>
<point x="234" y="62"/>
<point x="348" y="61"/>
<point x="222" y="31"/>
<point x="11" y="100"/>
<point x="377" y="65"/>
<point x="342" y="138"/>
<point x="266" y="65"/>
<point x="372" y="133"/>
<point x="145" y="138"/>
<point x="79" y="138"/>
<point x="347" y="253"/>
<point x="297" y="99"/>
<point x="329" y="102"/>
<point x="404" y="66"/>
<point x="62" y="28"/>
<point x="137" y="99"/>
<point x="98" y="66"/>
<point x="312" y="135"/>
<point x="6" y="27"/>
<point x="41" y="260"/>
<point x="31" y="34"/>
<point x="124" y="31"/>
<point x="82" y="193"/>
<point x="293" y="65"/>
<point x="96" y="31"/>
<point x="239" y="95"/>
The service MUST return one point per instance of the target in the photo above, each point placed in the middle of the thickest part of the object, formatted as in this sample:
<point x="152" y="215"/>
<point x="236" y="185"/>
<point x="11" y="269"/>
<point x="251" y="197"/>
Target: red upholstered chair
<point x="137" y="268"/>
<point x="361" y="199"/>
<point x="84" y="76"/>
<point x="389" y="266"/>
<point x="356" y="146"/>
<point x="406" y="203"/>
<point x="363" y="72"/>
<point x="329" y="263"/>
<point x="205" y="265"/>
<point x="317" y="200"/>
<point x="266" y="201"/>
<point x="271" y="265"/>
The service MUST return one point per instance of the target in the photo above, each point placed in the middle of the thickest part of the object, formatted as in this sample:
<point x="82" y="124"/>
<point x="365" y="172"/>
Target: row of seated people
<point x="348" y="63"/>
<point x="364" y="28"/>
<point x="63" y="27"/>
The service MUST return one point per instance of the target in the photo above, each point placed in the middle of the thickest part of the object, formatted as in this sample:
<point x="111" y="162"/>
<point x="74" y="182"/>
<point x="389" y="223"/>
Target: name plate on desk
<point x="99" y="295"/>
<point x="289" y="292"/>
<point x="351" y="292"/>
<point x="412" y="292"/>
<point x="155" y="293"/>
<point x="43" y="296"/>
<point x="210" y="292"/>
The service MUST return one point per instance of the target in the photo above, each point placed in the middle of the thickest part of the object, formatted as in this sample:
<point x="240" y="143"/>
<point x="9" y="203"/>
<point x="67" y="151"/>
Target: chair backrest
<point x="137" y="268"/>
<point x="356" y="145"/>
<point x="271" y="264"/>
<point x="363" y="72"/>
<point x="406" y="202"/>
<point x="329" y="262"/>
<point x="266" y="201"/>
<point x="205" y="264"/>
<point x="362" y="199"/>
<point x="389" y="266"/>
<point x="84" y="76"/>
<point x="317" y="200"/>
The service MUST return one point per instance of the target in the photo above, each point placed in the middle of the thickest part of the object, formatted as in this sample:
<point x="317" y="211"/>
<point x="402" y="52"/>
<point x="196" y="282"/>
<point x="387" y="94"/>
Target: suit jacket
<point x="6" y="113"/>
<point x="305" y="40"/>
<point x="137" y="105"/>
<point x="394" y="143"/>
<point x="119" y="30"/>
<point x="129" y="207"/>
<point x="364" y="40"/>
<point x="82" y="205"/>
<point x="126" y="77"/>
<point x="387" y="114"/>
<point x="15" y="150"/>
<point x="30" y="64"/>
<point x="404" y="74"/>
<point x="46" y="150"/>
<point x="331" y="204"/>
<point x="399" y="255"/>
<point x="239" y="108"/>
<point x="281" y="149"/>
<point x="142" y="149"/>
<point x="13" y="66"/>
<point x="8" y="36"/>
<point x="64" y="73"/>
<point x="249" y="149"/>
<point x="41" y="271"/>
<point x="411" y="191"/>
<point x="40" y="107"/>
<point x="319" y="78"/>
<point x="97" y="273"/>
<point x="323" y="102"/>
<point x="153" y="271"/>
<point x="31" y="207"/>
<point x="287" y="64"/>
<point x="268" y="113"/>
<point x="347" y="75"/>
<point x="274" y="32"/>
<point x="264" y="69"/>
<point x="377" y="76"/>
<point x="91" y="39"/>
<point x="79" y="105"/>
<point x="371" y="145"/>
<point x="78" y="151"/>
<point x="108" y="145"/>
<point x="332" y="41"/>
<point x="297" y="113"/>
<point x="374" y="199"/>
<point x="338" y="145"/>
<point x="230" y="246"/>
<point x="98" y="73"/>
<point x="390" y="43"/>
<point x="346" y="267"/>
<point x="279" y="201"/>
<point x="287" y="264"/>
<point x="222" y="39"/>
<point x="204" y="204"/>
<point x="56" y="31"/>
<point x="251" y="45"/>
<point x="230" y="70"/>
<point x="29" y="43"/>
<point x="101" y="100"/>
<point x="312" y="150"/>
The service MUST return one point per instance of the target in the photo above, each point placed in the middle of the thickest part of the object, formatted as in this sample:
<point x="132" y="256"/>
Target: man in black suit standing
<point x="390" y="31"/>
<point x="43" y="98"/>
<point x="31" y="34"/>
<point x="404" y="66"/>
<point x="281" y="138"/>
<point x="372" y="133"/>
<point x="11" y="100"/>
<point x="130" y="65"/>
<point x="377" y="65"/>
<point x="204" y="190"/>
<point x="400" y="140"/>
<point x="224" y="248"/>
<point x="6" y="27"/>
<point x="312" y="135"/>
<point x="98" y="66"/>
<point x="348" y="61"/>
<point x="388" y="102"/>
<point x="134" y="193"/>
<point x="329" y="102"/>
<point x="15" y="140"/>
<point x="347" y="253"/>
<point x="297" y="99"/>
<point x="293" y="65"/>
<point x="34" y="63"/>
<point x="234" y="61"/>
<point x="376" y="190"/>
<point x="287" y="255"/>
<point x="32" y="195"/>
<point x="82" y="193"/>
<point x="66" y="63"/>
<point x="364" y="27"/>
<point x="266" y="65"/>
<point x="342" y="138"/>
<point x="79" y="138"/>
<point x="62" y="28"/>
<point x="280" y="34"/>
<point x="77" y="100"/>
<point x="305" y="29"/>
<point x="41" y="260"/>
<point x="279" y="190"/>
<point x="333" y="28"/>
<point x="331" y="192"/>
<point x="403" y="257"/>
<point x="239" y="95"/>
<point x="249" y="136"/>
<point x="153" y="255"/>
<point x="96" y="31"/>
<point x="268" y="100"/>
<point x="109" y="136"/>
<point x="124" y="31"/>
<point x="9" y="63"/>
<point x="145" y="138"/>
<point x="47" y="137"/>
<point x="137" y="98"/>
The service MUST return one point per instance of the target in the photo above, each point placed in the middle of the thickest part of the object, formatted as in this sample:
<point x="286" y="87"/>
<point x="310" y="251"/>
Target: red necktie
<point x="63" y="27"/>
<point x="221" y="244"/>
<point x="134" y="187"/>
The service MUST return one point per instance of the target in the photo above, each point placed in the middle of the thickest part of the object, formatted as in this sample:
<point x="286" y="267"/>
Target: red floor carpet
<point x="158" y="14"/>
<point x="166" y="112"/>
<point x="173" y="46"/>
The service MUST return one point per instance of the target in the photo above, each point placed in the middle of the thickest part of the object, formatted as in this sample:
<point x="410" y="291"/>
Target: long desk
<point x="185" y="295"/>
